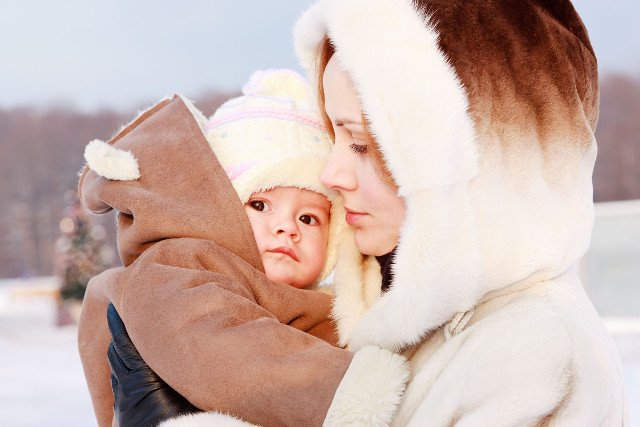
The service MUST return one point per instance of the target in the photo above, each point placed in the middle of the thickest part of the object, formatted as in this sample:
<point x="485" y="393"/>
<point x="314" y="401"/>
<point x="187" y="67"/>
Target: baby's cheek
<point x="319" y="255"/>
<point x="259" y="234"/>
<point x="271" y="270"/>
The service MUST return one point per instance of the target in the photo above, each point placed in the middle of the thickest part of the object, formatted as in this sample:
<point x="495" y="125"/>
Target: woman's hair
<point x="324" y="52"/>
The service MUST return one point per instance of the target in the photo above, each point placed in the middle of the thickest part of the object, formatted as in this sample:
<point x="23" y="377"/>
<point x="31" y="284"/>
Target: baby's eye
<point x="259" y="205"/>
<point x="359" y="148"/>
<point x="308" y="219"/>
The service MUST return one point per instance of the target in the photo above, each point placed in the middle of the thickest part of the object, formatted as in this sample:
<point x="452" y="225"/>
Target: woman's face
<point x="373" y="208"/>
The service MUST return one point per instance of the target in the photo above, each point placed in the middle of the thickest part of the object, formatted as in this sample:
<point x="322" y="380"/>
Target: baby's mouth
<point x="285" y="250"/>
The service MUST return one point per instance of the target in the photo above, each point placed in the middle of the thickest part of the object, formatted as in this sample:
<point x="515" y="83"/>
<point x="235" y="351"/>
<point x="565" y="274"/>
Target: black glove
<point x="142" y="399"/>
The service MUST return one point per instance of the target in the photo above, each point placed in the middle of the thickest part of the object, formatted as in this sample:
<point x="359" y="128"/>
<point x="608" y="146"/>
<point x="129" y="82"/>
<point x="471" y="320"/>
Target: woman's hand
<point x="141" y="397"/>
<point x="93" y="344"/>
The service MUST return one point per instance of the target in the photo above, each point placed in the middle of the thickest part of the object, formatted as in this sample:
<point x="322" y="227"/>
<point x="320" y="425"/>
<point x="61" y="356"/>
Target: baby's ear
<point x="111" y="162"/>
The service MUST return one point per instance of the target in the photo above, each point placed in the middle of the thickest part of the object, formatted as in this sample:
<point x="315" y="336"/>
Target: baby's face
<point x="291" y="227"/>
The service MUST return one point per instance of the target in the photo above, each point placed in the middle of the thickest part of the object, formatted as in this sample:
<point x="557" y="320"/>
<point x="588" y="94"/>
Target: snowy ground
<point x="41" y="379"/>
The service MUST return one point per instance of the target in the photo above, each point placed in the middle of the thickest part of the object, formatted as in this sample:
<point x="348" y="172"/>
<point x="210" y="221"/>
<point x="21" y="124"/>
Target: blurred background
<point x="72" y="71"/>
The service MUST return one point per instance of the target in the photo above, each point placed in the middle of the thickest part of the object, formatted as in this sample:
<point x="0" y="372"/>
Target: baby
<point x="186" y="251"/>
<point x="273" y="146"/>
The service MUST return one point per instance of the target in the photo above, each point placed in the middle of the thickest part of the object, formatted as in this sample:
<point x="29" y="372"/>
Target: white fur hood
<point x="493" y="152"/>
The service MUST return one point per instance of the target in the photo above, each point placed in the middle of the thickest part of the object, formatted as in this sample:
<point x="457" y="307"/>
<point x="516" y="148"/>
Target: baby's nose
<point x="287" y="227"/>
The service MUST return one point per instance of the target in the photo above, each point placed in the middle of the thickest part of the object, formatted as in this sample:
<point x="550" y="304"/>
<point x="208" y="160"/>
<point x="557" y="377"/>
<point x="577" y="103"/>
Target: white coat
<point x="485" y="113"/>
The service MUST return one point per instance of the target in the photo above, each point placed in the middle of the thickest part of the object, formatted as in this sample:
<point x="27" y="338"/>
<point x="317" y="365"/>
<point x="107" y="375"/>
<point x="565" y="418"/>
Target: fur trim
<point x="425" y="295"/>
<point x="284" y="174"/>
<point x="363" y="278"/>
<point x="494" y="204"/>
<point x="371" y="389"/>
<point x="197" y="114"/>
<point x="468" y="230"/>
<point x="442" y="106"/>
<point x="307" y="33"/>
<point x="434" y="194"/>
<point x="110" y="162"/>
<point x="205" y="419"/>
<point x="337" y="228"/>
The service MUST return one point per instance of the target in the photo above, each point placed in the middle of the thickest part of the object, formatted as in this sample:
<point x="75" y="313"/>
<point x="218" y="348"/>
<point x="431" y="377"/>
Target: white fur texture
<point x="197" y="114"/>
<point x="433" y="181"/>
<point x="205" y="419"/>
<point x="442" y="113"/>
<point x="531" y="354"/>
<point x="468" y="230"/>
<point x="370" y="391"/>
<point x="495" y="218"/>
<point x="110" y="162"/>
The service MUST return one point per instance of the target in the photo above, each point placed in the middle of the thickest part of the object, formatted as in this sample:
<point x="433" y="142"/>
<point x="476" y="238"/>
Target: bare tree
<point x="41" y="154"/>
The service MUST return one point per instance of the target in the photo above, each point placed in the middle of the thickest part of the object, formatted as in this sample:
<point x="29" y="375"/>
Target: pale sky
<point x="121" y="53"/>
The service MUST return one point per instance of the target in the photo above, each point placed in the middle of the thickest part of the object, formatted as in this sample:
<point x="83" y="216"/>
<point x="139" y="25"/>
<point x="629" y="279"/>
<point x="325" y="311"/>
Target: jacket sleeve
<point x="230" y="341"/>
<point x="93" y="343"/>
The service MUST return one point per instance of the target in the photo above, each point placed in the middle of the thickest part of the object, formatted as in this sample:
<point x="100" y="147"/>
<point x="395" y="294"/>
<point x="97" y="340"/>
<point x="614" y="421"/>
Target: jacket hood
<point x="485" y="114"/>
<point x="164" y="180"/>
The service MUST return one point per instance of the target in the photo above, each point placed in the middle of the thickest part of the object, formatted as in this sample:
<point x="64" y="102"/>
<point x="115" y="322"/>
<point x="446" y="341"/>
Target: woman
<point x="483" y="113"/>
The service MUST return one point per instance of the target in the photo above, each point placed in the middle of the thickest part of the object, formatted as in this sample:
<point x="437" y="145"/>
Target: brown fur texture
<point x="193" y="294"/>
<point x="514" y="57"/>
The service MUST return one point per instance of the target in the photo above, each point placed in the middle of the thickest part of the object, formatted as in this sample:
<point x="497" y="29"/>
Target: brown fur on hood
<point x="521" y="63"/>
<point x="193" y="294"/>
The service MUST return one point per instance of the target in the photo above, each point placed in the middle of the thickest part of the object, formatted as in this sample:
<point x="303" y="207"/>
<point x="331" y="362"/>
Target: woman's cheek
<point x="368" y="177"/>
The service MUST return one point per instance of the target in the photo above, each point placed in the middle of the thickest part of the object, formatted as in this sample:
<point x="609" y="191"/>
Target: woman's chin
<point x="371" y="244"/>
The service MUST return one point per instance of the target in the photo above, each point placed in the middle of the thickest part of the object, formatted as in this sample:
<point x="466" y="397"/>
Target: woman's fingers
<point x="123" y="355"/>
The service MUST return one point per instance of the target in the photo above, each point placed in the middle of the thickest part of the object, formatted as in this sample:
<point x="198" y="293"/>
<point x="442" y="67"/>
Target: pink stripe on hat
<point x="237" y="170"/>
<point x="265" y="113"/>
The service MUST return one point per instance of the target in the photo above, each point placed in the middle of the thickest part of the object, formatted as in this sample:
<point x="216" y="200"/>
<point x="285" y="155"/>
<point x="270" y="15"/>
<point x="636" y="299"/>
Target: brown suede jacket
<point x="192" y="292"/>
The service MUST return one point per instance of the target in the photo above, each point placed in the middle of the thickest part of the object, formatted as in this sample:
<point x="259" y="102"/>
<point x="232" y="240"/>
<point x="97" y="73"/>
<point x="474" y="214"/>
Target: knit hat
<point x="272" y="136"/>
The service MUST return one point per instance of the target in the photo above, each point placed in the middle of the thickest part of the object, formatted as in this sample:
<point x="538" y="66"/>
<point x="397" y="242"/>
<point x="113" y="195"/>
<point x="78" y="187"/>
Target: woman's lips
<point x="353" y="217"/>
<point x="287" y="251"/>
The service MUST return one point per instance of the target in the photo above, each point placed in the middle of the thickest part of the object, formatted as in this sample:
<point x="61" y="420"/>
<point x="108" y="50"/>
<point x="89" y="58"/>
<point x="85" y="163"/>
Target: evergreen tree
<point x="81" y="250"/>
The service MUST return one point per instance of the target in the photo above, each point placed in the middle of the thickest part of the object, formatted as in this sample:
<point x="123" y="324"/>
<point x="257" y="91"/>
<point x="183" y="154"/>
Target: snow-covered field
<point x="41" y="379"/>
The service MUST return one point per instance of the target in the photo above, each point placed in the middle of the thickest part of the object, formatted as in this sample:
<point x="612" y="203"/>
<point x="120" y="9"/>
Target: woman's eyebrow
<point x="342" y="122"/>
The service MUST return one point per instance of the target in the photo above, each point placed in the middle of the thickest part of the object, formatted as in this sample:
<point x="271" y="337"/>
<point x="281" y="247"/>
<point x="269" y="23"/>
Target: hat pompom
<point x="279" y="84"/>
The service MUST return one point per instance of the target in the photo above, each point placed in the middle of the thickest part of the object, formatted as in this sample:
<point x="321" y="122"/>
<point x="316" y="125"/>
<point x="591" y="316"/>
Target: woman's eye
<point x="359" y="148"/>
<point x="258" y="205"/>
<point x="308" y="219"/>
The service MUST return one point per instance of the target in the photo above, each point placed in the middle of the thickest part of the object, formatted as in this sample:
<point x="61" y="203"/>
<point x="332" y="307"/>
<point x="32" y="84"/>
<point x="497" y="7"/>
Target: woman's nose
<point x="337" y="172"/>
<point x="287" y="227"/>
